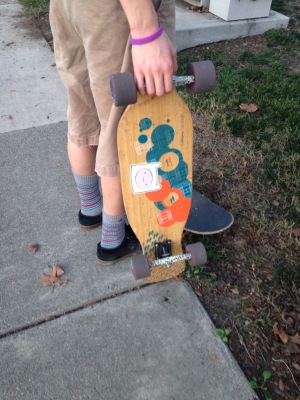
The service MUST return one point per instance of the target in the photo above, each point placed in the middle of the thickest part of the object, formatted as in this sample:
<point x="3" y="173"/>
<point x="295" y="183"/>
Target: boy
<point x="92" y="40"/>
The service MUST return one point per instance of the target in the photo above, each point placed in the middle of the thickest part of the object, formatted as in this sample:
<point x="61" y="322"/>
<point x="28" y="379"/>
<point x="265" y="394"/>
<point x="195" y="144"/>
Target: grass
<point x="267" y="79"/>
<point x="36" y="8"/>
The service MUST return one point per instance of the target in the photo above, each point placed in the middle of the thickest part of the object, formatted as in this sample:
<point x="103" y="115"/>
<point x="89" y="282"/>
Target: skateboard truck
<point x="141" y="268"/>
<point x="200" y="78"/>
<point x="169" y="260"/>
<point x="163" y="249"/>
<point x="183" y="80"/>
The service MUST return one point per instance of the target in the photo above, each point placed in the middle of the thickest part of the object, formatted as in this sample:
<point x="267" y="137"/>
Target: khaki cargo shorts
<point x="91" y="42"/>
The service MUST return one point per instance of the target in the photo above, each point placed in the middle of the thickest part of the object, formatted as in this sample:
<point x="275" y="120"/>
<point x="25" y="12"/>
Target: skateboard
<point x="155" y="147"/>
<point x="206" y="217"/>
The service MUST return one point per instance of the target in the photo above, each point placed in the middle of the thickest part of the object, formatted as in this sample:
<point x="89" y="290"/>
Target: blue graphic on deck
<point x="153" y="237"/>
<point x="162" y="136"/>
<point x="173" y="198"/>
<point x="145" y="124"/>
<point x="143" y="139"/>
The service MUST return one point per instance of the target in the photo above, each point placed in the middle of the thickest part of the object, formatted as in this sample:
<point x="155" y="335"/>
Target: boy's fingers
<point x="168" y="83"/>
<point x="140" y="83"/>
<point x="150" y="85"/>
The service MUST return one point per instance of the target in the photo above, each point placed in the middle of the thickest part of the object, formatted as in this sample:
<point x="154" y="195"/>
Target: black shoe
<point x="87" y="222"/>
<point x="127" y="248"/>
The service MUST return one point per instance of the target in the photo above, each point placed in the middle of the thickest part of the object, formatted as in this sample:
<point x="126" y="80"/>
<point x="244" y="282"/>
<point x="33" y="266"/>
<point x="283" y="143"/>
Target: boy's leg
<point x="112" y="185"/>
<point x="82" y="158"/>
<point x="82" y="161"/>
<point x="83" y="121"/>
<point x="112" y="195"/>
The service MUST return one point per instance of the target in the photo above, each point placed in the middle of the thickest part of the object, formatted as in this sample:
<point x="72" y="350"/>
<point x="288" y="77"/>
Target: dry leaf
<point x="289" y="321"/>
<point x="178" y="278"/>
<point x="250" y="309"/>
<point x="33" y="248"/>
<point x="214" y="357"/>
<point x="296" y="366"/>
<point x="198" y="9"/>
<point x="295" y="339"/>
<point x="53" y="279"/>
<point x="296" y="359"/>
<point x="57" y="270"/>
<point x="281" y="333"/>
<point x="198" y="293"/>
<point x="296" y="232"/>
<point x="47" y="280"/>
<point x="60" y="282"/>
<point x="249" y="107"/>
<point x="291" y="348"/>
<point x="235" y="291"/>
<point x="281" y="385"/>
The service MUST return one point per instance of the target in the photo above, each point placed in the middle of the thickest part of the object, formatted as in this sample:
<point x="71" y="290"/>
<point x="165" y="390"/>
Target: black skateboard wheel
<point x="204" y="73"/>
<point x="198" y="253"/>
<point x="140" y="266"/>
<point x="123" y="89"/>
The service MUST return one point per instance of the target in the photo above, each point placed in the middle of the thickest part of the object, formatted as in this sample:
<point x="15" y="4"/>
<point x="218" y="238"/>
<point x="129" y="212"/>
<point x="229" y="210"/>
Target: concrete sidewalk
<point x="104" y="335"/>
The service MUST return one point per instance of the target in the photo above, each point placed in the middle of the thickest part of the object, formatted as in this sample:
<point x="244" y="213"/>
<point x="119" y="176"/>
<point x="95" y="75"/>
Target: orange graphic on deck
<point x="177" y="207"/>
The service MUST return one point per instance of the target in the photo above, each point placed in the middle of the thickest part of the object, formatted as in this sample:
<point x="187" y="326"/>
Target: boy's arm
<point x="155" y="62"/>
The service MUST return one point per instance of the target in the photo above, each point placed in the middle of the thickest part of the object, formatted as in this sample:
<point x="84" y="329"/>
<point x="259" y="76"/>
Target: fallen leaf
<point x="178" y="278"/>
<point x="57" y="270"/>
<point x="289" y="321"/>
<point x="295" y="339"/>
<point x="275" y="203"/>
<point x="53" y="279"/>
<point x="198" y="293"/>
<point x="291" y="348"/>
<point x="250" y="309"/>
<point x="235" y="291"/>
<point x="281" y="333"/>
<point x="245" y="297"/>
<point x="281" y="385"/>
<point x="214" y="357"/>
<point x="47" y="280"/>
<point x="33" y="248"/>
<point x="53" y="65"/>
<point x="249" y="107"/>
<point x="296" y="366"/>
<point x="296" y="232"/>
<point x="198" y="9"/>
<point x="296" y="359"/>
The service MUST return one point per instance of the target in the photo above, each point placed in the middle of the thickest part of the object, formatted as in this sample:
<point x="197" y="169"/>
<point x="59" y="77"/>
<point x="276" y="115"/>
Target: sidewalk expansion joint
<point x="70" y="311"/>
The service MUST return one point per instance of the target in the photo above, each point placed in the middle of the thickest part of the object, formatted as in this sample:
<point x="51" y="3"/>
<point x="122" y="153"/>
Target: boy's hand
<point x="154" y="66"/>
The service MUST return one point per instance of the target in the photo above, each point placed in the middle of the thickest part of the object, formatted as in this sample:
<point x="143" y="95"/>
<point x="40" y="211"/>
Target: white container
<point x="231" y="10"/>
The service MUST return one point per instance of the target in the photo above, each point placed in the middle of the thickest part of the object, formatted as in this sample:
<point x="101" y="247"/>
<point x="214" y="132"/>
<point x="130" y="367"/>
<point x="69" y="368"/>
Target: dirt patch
<point x="44" y="26"/>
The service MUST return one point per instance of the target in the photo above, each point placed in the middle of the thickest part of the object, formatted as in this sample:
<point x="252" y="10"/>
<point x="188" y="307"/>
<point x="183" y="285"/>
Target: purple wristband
<point x="147" y="39"/>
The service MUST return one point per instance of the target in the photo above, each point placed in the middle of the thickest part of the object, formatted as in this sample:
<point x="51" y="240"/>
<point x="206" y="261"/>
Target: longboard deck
<point x="206" y="217"/>
<point x="155" y="145"/>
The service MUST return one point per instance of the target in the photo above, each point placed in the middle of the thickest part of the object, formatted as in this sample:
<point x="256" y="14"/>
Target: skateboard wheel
<point x="198" y="253"/>
<point x="204" y="73"/>
<point x="123" y="89"/>
<point x="140" y="266"/>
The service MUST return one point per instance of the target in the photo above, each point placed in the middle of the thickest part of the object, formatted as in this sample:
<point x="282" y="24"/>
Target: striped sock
<point x="90" y="196"/>
<point x="113" y="230"/>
